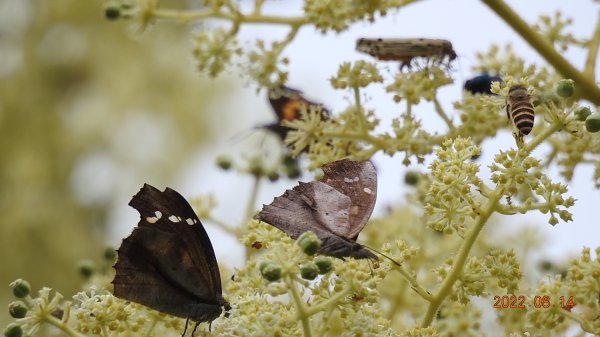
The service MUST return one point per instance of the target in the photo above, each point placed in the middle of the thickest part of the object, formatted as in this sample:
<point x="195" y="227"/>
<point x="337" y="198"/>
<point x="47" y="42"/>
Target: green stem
<point x="222" y="225"/>
<point x="313" y="309"/>
<point x="186" y="16"/>
<point x="302" y="316"/>
<point x="461" y="258"/>
<point x="510" y="210"/>
<point x="585" y="324"/>
<point x="414" y="284"/>
<point x="440" y="111"/>
<point x="257" y="7"/>
<point x="152" y="326"/>
<point x="362" y="121"/>
<point x="252" y="199"/>
<point x="585" y="85"/>
<point x="589" y="69"/>
<point x="540" y="137"/>
<point x="59" y="324"/>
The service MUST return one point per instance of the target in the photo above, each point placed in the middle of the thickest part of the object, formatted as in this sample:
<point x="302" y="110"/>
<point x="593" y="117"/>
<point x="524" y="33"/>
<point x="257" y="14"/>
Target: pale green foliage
<point x="436" y="279"/>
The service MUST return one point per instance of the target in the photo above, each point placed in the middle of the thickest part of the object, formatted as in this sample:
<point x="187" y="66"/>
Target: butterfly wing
<point x="330" y="208"/>
<point x="358" y="181"/>
<point x="290" y="213"/>
<point x="168" y="262"/>
<point x="295" y="213"/>
<point x="287" y="104"/>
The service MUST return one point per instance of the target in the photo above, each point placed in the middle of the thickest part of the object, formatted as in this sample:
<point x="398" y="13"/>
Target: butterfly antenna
<point x="241" y="136"/>
<point x="387" y="257"/>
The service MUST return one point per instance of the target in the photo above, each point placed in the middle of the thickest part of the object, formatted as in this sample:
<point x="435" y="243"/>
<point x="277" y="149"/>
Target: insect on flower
<point x="287" y="104"/>
<point x="481" y="84"/>
<point x="435" y="51"/>
<point x="519" y="110"/>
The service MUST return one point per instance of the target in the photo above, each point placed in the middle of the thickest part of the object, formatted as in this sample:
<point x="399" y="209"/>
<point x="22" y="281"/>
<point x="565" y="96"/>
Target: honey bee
<point x="519" y="110"/>
<point x="405" y="50"/>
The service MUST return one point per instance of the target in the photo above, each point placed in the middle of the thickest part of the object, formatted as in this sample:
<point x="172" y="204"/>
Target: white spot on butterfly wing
<point x="174" y="218"/>
<point x="351" y="180"/>
<point x="158" y="214"/>
<point x="190" y="221"/>
<point x="367" y="190"/>
<point x="151" y="219"/>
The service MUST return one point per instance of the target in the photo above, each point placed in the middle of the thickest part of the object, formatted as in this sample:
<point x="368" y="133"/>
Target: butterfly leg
<point x="187" y="320"/>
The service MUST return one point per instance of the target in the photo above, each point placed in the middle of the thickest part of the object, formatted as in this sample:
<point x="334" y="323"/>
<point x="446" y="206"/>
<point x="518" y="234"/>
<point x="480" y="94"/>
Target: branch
<point x="590" y="61"/>
<point x="585" y="85"/>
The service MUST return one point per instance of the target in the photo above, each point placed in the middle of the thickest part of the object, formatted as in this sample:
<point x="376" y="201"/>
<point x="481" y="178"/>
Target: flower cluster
<point x="417" y="85"/>
<point x="338" y="15"/>
<point x="449" y="200"/>
<point x="553" y="28"/>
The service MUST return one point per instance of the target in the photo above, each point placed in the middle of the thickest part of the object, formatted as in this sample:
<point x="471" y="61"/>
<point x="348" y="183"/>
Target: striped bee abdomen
<point x="519" y="109"/>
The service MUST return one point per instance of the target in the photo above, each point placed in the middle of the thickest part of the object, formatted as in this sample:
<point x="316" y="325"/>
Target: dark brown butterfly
<point x="335" y="207"/>
<point x="287" y="104"/>
<point x="168" y="263"/>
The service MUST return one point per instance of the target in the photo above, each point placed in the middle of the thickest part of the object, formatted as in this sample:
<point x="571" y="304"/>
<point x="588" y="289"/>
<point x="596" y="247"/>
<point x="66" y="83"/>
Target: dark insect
<point x="405" y="50"/>
<point x="481" y="84"/>
<point x="335" y="207"/>
<point x="287" y="104"/>
<point x="519" y="110"/>
<point x="168" y="263"/>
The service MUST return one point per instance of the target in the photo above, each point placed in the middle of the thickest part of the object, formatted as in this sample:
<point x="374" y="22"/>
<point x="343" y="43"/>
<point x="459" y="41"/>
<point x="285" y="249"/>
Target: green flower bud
<point x="411" y="178"/>
<point x="546" y="265"/>
<point x="592" y="122"/>
<point x="292" y="172"/>
<point x="273" y="176"/>
<point x="270" y="271"/>
<point x="323" y="263"/>
<point x="309" y="243"/>
<point x="21" y="288"/>
<point x="582" y="112"/>
<point x="17" y="309"/>
<point x="565" y="88"/>
<point x="256" y="169"/>
<point x="112" y="12"/>
<point x="86" y="268"/>
<point x="224" y="162"/>
<point x="309" y="271"/>
<point x="13" y="330"/>
<point x="110" y="254"/>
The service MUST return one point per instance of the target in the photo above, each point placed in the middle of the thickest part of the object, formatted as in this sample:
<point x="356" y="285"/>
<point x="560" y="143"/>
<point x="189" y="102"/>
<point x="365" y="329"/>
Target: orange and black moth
<point x="405" y="50"/>
<point x="519" y="110"/>
<point x="287" y="104"/>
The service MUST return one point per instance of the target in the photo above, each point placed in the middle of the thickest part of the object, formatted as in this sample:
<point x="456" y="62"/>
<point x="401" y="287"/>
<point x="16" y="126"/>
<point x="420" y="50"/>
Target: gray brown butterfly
<point x="335" y="207"/>
<point x="168" y="263"/>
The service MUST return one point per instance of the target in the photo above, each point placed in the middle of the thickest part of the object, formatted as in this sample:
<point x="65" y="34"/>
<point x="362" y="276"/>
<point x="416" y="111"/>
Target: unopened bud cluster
<point x="309" y="244"/>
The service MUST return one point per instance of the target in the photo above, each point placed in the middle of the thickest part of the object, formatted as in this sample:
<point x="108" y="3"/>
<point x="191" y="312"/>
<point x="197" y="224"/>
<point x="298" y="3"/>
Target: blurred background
<point x="92" y="109"/>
